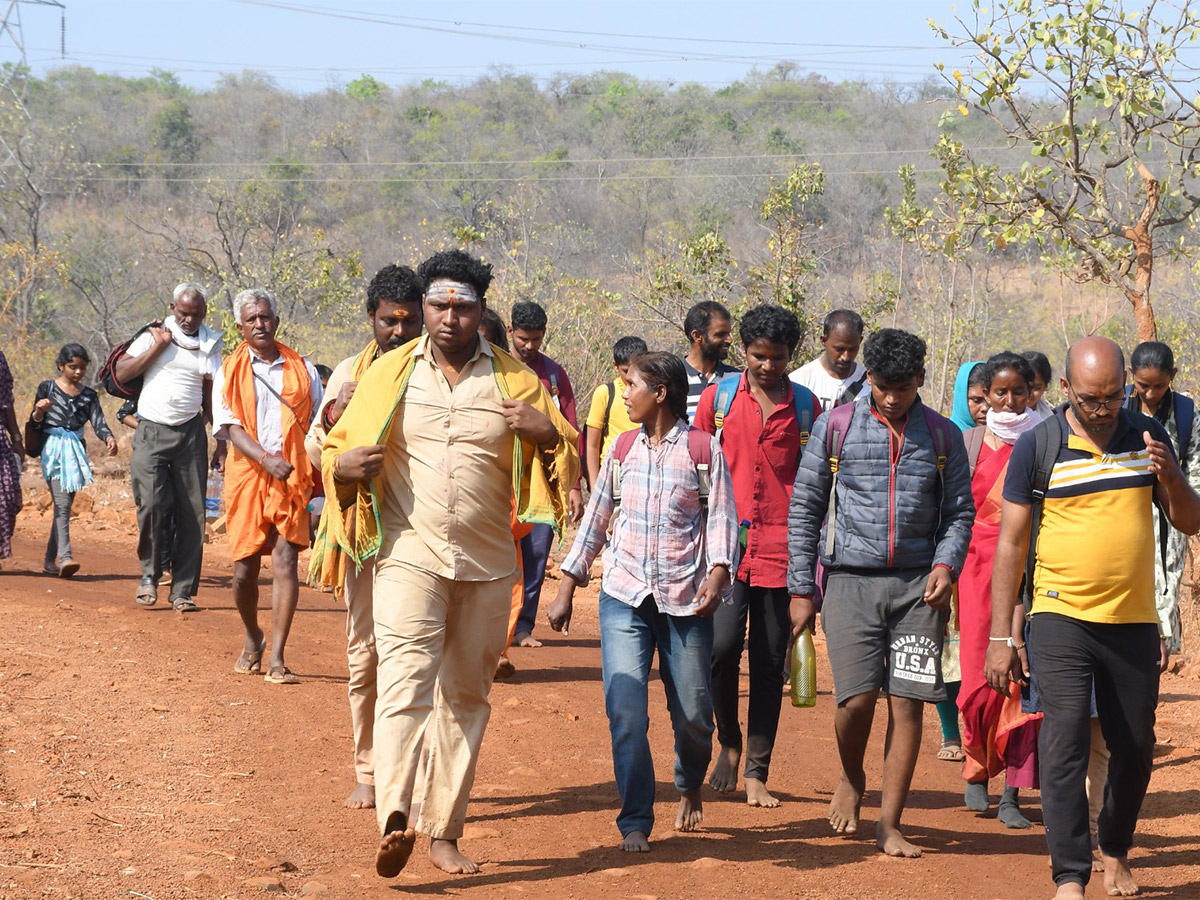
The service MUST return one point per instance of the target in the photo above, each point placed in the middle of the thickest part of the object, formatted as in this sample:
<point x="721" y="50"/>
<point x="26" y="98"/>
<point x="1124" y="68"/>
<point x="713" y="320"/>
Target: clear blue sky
<point x="309" y="45"/>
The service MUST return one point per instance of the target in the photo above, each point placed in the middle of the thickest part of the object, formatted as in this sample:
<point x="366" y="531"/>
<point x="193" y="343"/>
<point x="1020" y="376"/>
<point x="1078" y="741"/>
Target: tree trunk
<point x="949" y="340"/>
<point x="1141" y="235"/>
<point x="1138" y="293"/>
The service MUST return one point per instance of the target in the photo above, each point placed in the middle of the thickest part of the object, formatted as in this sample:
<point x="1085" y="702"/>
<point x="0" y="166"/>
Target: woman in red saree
<point x="997" y="735"/>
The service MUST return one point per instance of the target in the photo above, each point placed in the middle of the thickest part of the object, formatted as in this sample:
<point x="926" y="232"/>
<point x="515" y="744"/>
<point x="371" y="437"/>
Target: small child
<point x="665" y="573"/>
<point x="61" y="407"/>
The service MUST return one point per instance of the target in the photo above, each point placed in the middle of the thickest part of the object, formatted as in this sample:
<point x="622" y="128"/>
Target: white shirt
<point x="173" y="383"/>
<point x="268" y="409"/>
<point x="826" y="387"/>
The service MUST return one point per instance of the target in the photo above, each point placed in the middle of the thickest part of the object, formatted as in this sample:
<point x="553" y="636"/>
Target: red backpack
<point x="131" y="389"/>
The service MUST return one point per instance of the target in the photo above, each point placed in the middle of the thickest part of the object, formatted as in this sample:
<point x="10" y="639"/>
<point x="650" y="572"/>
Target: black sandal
<point x="147" y="592"/>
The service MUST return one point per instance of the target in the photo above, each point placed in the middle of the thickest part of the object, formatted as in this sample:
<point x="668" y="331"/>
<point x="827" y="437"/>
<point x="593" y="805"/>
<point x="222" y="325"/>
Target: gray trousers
<point x="168" y="472"/>
<point x="59" y="543"/>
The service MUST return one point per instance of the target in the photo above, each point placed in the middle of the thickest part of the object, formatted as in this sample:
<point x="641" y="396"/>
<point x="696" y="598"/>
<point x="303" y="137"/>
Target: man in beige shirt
<point x="442" y="482"/>
<point x="394" y="311"/>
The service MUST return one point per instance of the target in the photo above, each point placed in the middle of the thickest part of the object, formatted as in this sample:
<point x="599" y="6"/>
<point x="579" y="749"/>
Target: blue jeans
<point x="535" y="550"/>
<point x="628" y="638"/>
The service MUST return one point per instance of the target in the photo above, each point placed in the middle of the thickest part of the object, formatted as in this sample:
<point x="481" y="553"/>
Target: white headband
<point x="444" y="289"/>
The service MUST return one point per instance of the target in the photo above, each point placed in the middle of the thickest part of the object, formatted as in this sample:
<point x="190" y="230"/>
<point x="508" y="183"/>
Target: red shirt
<point x="763" y="458"/>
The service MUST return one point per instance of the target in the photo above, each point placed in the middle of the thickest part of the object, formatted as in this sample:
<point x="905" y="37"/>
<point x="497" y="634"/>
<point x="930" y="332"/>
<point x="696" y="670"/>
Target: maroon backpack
<point x="699" y="446"/>
<point x="126" y="390"/>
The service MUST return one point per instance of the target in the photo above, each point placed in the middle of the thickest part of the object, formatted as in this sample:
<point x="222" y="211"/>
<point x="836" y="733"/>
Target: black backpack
<point x="1048" y="438"/>
<point x="131" y="389"/>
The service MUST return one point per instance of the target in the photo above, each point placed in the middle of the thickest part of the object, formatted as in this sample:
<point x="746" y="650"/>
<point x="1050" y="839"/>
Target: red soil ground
<point x="135" y="764"/>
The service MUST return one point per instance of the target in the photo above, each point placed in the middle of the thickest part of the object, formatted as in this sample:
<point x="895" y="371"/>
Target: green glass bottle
<point x="804" y="671"/>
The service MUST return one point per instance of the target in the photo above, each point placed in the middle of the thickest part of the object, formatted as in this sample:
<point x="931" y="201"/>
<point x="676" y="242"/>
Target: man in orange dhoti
<point x="266" y="394"/>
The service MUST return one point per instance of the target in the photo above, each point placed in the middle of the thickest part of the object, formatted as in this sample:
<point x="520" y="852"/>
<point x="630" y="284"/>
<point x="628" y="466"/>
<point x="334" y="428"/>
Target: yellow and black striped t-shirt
<point x="1096" y="546"/>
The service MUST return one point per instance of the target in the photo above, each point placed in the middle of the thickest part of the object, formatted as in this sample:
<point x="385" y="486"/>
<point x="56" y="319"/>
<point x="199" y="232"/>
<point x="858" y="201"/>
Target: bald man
<point x="1093" y="623"/>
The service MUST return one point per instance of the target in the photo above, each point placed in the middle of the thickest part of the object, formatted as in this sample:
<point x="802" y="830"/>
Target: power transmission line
<point x="324" y="10"/>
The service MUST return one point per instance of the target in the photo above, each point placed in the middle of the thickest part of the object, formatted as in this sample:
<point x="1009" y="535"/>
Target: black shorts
<point x="880" y="632"/>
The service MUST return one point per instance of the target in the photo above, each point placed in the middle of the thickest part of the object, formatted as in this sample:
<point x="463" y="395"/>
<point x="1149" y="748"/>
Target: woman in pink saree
<point x="997" y="735"/>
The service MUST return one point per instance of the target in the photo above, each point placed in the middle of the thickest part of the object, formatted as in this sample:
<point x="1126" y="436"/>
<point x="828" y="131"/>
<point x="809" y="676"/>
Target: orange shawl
<point x="255" y="502"/>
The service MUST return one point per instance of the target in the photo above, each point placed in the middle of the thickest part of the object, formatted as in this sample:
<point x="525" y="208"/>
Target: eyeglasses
<point x="1093" y="406"/>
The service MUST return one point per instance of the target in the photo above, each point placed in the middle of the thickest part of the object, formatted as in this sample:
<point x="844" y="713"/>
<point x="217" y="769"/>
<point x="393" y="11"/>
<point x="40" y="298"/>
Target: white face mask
<point x="1010" y="426"/>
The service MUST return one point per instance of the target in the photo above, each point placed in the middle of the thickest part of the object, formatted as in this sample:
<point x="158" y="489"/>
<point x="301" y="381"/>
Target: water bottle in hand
<point x="804" y="671"/>
<point x="212" y="497"/>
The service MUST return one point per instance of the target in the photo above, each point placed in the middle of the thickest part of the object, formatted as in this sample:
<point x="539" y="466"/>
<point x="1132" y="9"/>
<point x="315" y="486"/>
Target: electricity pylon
<point x="14" y="74"/>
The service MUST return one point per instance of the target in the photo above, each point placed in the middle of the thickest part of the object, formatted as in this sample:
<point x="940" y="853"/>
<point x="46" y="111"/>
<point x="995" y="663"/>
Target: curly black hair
<point x="1008" y="361"/>
<point x="528" y="316"/>
<point x="456" y="265"/>
<point x="772" y="323"/>
<point x="892" y="355"/>
<point x="398" y="284"/>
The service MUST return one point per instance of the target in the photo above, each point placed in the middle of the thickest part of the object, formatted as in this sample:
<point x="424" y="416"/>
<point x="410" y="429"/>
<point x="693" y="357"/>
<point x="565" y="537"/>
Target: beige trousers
<point x="363" y="660"/>
<point x="438" y="641"/>
<point x="1097" y="775"/>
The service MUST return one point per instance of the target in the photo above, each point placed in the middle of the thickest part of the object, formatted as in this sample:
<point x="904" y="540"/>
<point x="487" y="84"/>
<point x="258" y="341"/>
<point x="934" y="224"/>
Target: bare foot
<point x="445" y="855"/>
<point x="504" y="669"/>
<point x="843" y="808"/>
<point x="1070" y="890"/>
<point x="691" y="811"/>
<point x="634" y="842"/>
<point x="758" y="795"/>
<point x="724" y="773"/>
<point x="395" y="847"/>
<point x="363" y="797"/>
<point x="524" y="639"/>
<point x="1118" y="880"/>
<point x="893" y="843"/>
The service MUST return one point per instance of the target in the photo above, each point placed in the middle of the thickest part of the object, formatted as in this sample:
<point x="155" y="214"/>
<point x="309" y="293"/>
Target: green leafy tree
<point x="905" y="221"/>
<point x="175" y="133"/>
<point x="365" y="88"/>
<point x="1095" y="93"/>
<point x="782" y="276"/>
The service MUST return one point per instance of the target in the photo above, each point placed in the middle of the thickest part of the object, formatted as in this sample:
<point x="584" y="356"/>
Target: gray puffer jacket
<point x="903" y="517"/>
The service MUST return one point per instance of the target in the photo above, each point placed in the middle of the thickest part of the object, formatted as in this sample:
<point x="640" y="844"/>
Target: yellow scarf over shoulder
<point x="351" y="527"/>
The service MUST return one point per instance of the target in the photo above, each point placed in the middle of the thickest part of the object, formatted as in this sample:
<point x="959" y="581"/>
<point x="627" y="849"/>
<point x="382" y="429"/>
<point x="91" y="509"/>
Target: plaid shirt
<point x="662" y="543"/>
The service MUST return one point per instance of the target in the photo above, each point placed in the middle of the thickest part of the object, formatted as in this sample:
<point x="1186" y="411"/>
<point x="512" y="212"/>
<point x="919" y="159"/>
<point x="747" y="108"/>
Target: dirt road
<point x="135" y="764"/>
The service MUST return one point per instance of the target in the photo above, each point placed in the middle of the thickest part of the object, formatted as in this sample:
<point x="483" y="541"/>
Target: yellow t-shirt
<point x="1095" y="548"/>
<point x="618" y="415"/>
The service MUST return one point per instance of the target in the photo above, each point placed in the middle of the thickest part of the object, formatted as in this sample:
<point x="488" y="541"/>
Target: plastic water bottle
<point x="804" y="671"/>
<point x="212" y="497"/>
